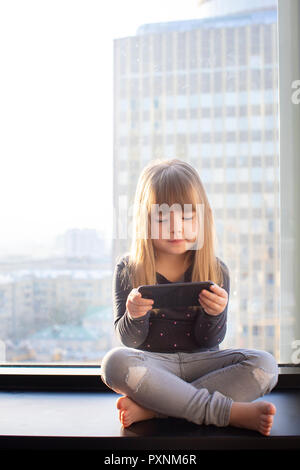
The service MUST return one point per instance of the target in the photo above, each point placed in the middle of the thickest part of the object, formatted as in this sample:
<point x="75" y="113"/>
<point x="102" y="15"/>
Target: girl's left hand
<point x="213" y="301"/>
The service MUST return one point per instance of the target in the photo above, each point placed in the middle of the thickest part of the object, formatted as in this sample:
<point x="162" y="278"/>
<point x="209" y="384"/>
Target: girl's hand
<point x="136" y="305"/>
<point x="214" y="301"/>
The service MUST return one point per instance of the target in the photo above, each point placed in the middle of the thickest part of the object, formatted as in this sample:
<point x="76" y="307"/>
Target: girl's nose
<point x="176" y="230"/>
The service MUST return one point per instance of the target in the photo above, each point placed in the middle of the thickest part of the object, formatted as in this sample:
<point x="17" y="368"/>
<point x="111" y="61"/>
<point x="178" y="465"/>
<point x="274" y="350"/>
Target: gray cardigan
<point x="169" y="330"/>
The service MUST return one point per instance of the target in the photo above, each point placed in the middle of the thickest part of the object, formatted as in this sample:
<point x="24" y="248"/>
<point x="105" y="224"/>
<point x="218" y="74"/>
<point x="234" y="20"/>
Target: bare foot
<point x="254" y="415"/>
<point x="130" y="412"/>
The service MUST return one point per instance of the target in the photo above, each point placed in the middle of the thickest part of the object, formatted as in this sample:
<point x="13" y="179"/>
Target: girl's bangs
<point x="175" y="192"/>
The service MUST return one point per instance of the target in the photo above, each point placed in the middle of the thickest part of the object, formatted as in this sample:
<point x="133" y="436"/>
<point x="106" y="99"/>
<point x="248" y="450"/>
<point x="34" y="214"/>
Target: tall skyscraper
<point x="206" y="91"/>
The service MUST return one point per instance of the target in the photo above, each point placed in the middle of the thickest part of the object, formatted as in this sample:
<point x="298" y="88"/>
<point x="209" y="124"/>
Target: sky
<point x="56" y="115"/>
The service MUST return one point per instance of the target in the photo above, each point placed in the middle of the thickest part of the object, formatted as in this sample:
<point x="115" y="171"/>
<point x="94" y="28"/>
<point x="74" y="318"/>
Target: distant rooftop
<point x="53" y="274"/>
<point x="267" y="16"/>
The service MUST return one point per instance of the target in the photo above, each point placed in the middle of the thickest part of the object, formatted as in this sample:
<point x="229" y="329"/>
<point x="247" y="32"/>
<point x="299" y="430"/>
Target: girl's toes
<point x="265" y="428"/>
<point x="271" y="409"/>
<point x="126" y="421"/>
<point x="119" y="402"/>
<point x="267" y="422"/>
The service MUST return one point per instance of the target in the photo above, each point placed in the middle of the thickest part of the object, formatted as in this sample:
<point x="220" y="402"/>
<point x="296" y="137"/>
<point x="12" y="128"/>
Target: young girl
<point x="171" y="364"/>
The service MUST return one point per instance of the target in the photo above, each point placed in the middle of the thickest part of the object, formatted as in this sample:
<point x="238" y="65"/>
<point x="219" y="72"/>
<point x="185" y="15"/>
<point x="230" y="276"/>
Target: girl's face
<point x="174" y="232"/>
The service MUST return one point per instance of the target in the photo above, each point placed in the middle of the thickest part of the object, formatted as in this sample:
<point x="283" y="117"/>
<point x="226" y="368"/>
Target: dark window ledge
<point x="61" y="414"/>
<point x="88" y="378"/>
<point x="88" y="421"/>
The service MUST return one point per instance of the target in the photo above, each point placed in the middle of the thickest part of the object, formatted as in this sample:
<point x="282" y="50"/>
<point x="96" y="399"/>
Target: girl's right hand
<point x="136" y="305"/>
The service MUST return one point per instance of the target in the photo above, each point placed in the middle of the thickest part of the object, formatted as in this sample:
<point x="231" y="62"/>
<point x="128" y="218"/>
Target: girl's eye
<point x="184" y="218"/>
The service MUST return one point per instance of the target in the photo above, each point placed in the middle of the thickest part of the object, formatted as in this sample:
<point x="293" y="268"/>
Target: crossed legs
<point x="218" y="386"/>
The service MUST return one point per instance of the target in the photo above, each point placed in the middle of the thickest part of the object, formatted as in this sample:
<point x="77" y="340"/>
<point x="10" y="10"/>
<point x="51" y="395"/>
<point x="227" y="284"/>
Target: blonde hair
<point x="170" y="181"/>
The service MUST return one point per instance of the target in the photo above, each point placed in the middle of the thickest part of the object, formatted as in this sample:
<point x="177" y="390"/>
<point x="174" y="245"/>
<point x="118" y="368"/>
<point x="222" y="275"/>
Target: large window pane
<point x="87" y="100"/>
<point x="234" y="91"/>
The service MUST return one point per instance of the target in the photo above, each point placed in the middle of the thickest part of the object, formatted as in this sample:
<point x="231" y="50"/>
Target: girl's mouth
<point x="176" y="241"/>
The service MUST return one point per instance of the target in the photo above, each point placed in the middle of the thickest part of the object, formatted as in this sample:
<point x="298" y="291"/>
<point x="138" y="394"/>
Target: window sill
<point x="51" y="378"/>
<point x="89" y="421"/>
<point x="66" y="408"/>
<point x="88" y="378"/>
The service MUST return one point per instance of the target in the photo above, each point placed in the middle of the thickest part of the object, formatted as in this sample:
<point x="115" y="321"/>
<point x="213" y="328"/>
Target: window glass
<point x="86" y="101"/>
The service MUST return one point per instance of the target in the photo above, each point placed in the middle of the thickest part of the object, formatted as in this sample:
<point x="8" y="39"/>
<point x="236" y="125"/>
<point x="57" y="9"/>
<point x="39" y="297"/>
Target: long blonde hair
<point x="170" y="181"/>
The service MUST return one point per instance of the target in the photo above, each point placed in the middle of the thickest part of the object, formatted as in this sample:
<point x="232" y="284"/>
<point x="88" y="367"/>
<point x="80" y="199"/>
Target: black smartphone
<point x="176" y="294"/>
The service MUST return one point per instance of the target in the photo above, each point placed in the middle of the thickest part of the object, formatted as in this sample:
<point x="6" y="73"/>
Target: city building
<point x="81" y="243"/>
<point x="206" y="91"/>
<point x="45" y="311"/>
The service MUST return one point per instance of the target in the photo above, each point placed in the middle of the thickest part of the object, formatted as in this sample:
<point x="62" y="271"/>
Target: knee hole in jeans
<point x="266" y="372"/>
<point x="123" y="368"/>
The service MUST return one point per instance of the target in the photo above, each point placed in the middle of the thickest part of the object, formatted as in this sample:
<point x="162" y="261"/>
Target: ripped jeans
<point x="197" y="386"/>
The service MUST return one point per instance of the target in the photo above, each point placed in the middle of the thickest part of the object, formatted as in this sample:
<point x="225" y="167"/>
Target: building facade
<point x="206" y="91"/>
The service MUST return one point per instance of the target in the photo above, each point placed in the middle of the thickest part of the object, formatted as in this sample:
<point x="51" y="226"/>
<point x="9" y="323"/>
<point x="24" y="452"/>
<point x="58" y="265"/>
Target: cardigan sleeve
<point x="131" y="332"/>
<point x="210" y="330"/>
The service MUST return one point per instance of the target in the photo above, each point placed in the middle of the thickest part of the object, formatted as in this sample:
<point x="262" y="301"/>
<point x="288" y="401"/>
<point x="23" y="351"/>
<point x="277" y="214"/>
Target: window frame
<point x="289" y="123"/>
